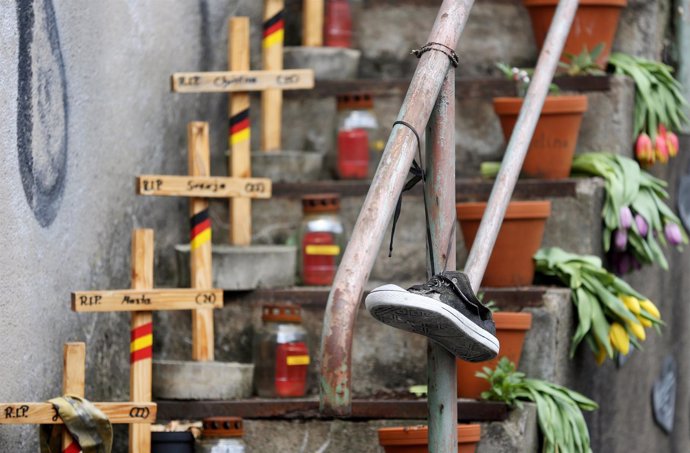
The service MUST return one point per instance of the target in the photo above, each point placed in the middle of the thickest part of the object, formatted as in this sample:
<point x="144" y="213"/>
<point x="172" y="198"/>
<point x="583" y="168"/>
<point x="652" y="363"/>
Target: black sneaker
<point x="444" y="309"/>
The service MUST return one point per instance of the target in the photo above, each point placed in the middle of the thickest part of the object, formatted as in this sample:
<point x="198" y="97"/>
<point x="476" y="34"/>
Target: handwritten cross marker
<point x="239" y="81"/>
<point x="142" y="300"/>
<point x="137" y="413"/>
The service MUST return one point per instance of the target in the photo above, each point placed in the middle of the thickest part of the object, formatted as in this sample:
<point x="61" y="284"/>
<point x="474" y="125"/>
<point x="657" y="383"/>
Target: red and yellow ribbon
<point x="200" y="229"/>
<point x="142" y="343"/>
<point x="72" y="448"/>
<point x="274" y="30"/>
<point x="239" y="127"/>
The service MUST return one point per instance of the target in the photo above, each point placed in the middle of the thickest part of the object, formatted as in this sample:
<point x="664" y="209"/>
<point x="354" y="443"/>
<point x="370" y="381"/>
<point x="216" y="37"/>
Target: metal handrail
<point x="367" y="236"/>
<point x="423" y="96"/>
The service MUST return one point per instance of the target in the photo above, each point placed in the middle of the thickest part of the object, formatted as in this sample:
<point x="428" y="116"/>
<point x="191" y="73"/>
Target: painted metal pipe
<point x="358" y="258"/>
<point x="440" y="167"/>
<point x="519" y="142"/>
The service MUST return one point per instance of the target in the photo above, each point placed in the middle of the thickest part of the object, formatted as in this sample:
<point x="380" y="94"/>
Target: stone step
<point x="310" y="122"/>
<point x="377" y="349"/>
<point x="302" y="429"/>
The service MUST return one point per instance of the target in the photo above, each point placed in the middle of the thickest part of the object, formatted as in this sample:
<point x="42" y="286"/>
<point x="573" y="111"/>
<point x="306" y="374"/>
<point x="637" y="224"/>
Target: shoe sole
<point x="423" y="315"/>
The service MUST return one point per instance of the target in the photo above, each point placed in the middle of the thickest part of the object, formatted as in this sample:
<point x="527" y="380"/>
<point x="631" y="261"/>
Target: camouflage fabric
<point x="89" y="427"/>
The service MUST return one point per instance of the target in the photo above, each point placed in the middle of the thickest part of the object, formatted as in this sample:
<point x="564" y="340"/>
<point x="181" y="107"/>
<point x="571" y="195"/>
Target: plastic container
<point x="356" y="128"/>
<point x="172" y="442"/>
<point x="322" y="239"/>
<point x="221" y="435"/>
<point x="281" y="353"/>
<point x="338" y="24"/>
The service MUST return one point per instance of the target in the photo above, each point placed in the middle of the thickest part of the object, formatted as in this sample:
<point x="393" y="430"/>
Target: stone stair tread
<point x="308" y="408"/>
<point x="466" y="188"/>
<point x="317" y="296"/>
<point x="467" y="87"/>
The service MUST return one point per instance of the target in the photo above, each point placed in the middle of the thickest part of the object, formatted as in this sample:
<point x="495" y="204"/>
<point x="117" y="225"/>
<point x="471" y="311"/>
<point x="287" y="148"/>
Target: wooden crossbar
<point x="148" y="300"/>
<point x="45" y="413"/>
<point x="203" y="186"/>
<point x="231" y="81"/>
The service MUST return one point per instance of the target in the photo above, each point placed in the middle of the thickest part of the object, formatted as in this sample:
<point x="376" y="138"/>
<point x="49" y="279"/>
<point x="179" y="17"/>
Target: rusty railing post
<point x="367" y="236"/>
<point x="440" y="167"/>
<point x="519" y="141"/>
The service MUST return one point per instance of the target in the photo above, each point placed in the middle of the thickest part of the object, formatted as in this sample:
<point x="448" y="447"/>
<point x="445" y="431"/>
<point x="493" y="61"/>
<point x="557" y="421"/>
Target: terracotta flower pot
<point x="511" y="329"/>
<point x="415" y="439"/>
<point x="595" y="22"/>
<point x="518" y="240"/>
<point x="550" y="154"/>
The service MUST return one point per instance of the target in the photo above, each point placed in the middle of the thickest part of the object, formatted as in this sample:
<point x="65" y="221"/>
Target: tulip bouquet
<point x="612" y="316"/>
<point x="559" y="409"/>
<point x="659" y="104"/>
<point x="637" y="220"/>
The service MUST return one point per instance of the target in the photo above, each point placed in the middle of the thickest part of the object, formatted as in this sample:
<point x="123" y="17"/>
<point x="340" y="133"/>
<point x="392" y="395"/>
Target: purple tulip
<point x="673" y="235"/>
<point x="625" y="217"/>
<point x="620" y="239"/>
<point x="642" y="226"/>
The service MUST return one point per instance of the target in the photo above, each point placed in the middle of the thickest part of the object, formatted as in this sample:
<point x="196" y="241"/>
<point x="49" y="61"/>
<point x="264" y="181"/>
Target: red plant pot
<point x="595" y="22"/>
<point x="518" y="240"/>
<point x="511" y="329"/>
<point x="415" y="439"/>
<point x="550" y="153"/>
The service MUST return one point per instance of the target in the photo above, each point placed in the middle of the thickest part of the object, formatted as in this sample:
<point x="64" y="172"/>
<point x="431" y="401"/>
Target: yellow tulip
<point x="637" y="330"/>
<point x="619" y="338"/>
<point x="644" y="321"/>
<point x="650" y="308"/>
<point x="632" y="304"/>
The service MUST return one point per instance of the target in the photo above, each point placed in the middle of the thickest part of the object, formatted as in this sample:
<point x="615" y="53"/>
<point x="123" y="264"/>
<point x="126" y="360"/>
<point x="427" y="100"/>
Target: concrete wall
<point x="84" y="106"/>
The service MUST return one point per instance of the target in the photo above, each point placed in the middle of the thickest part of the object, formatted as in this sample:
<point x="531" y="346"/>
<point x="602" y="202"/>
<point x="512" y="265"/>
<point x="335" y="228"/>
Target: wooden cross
<point x="138" y="413"/>
<point x="239" y="81"/>
<point x="142" y="300"/>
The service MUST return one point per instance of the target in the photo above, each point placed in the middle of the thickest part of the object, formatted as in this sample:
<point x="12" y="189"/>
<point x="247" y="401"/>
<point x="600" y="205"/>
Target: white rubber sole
<point x="423" y="315"/>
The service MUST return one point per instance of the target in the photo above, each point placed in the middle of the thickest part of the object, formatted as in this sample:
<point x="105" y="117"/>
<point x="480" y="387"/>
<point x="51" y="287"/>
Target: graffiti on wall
<point x="42" y="109"/>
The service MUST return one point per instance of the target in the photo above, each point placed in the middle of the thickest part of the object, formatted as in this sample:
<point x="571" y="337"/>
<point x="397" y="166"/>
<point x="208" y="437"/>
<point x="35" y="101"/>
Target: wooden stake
<point x="312" y="23"/>
<point x="73" y="378"/>
<point x="239" y="160"/>
<point x="200" y="241"/>
<point x="272" y="100"/>
<point x="140" y="374"/>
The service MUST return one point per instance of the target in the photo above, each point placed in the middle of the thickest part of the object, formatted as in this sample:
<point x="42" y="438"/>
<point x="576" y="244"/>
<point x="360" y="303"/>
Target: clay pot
<point x="595" y="22"/>
<point x="415" y="439"/>
<point x="511" y="329"/>
<point x="518" y="240"/>
<point x="550" y="154"/>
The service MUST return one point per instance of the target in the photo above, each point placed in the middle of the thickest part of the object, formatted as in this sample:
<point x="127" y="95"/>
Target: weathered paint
<point x="440" y="167"/>
<point x="358" y="259"/>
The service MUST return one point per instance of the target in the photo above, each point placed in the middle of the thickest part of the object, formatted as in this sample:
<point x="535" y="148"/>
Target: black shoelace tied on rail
<point x="418" y="174"/>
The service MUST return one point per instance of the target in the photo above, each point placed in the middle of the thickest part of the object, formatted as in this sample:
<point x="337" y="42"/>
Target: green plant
<point x="611" y="314"/>
<point x="637" y="220"/>
<point x="659" y="105"/>
<point x="559" y="409"/>
<point x="583" y="64"/>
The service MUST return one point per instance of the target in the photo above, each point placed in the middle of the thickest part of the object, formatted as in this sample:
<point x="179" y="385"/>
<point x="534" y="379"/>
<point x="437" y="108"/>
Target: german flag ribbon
<point x="200" y="224"/>
<point x="274" y="30"/>
<point x="239" y="127"/>
<point x="142" y="343"/>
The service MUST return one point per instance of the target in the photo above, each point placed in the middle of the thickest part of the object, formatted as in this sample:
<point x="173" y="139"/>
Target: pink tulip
<point x="620" y="239"/>
<point x="672" y="144"/>
<point x="673" y="235"/>
<point x="661" y="150"/>
<point x="643" y="149"/>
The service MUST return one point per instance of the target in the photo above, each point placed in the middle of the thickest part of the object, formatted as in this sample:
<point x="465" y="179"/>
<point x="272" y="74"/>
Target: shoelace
<point x="418" y="174"/>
